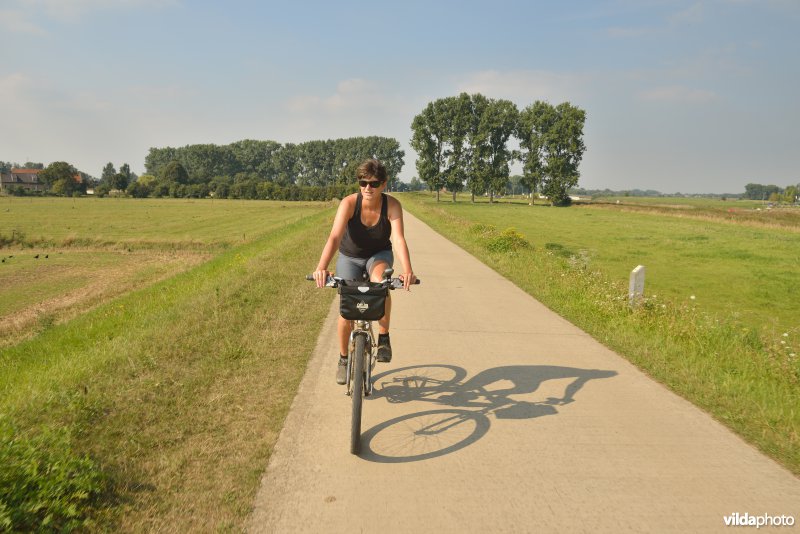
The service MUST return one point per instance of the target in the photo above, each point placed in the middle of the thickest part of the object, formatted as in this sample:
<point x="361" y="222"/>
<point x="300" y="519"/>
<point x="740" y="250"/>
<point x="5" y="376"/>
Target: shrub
<point x="44" y="484"/>
<point x="508" y="241"/>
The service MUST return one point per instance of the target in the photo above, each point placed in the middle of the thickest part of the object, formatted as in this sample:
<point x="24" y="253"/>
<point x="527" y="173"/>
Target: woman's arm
<point x="395" y="213"/>
<point x="343" y="214"/>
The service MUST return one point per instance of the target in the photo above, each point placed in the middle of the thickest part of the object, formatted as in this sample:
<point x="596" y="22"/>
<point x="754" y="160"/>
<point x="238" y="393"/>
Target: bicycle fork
<point x="363" y="328"/>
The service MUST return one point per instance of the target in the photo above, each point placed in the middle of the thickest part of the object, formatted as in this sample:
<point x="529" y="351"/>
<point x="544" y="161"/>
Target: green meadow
<point x="719" y="321"/>
<point x="735" y="269"/>
<point x="123" y="223"/>
<point x="749" y="212"/>
<point x="155" y="406"/>
<point x="64" y="256"/>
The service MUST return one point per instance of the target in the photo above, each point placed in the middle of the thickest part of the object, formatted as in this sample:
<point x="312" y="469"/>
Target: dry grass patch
<point x="60" y="284"/>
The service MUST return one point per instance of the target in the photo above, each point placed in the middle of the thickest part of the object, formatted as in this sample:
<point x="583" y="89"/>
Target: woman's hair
<point x="371" y="168"/>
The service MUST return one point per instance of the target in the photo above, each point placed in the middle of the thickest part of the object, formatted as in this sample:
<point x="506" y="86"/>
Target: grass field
<point x="156" y="409"/>
<point x="64" y="256"/>
<point x="754" y="213"/>
<point x="122" y="223"/>
<point x="741" y="270"/>
<point x="732" y="349"/>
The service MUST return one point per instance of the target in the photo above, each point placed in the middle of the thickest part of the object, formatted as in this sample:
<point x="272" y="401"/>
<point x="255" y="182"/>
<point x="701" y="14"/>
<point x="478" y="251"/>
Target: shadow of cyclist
<point x="490" y="388"/>
<point x="468" y="404"/>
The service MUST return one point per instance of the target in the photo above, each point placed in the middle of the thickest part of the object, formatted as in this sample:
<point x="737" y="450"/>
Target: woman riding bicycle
<point x="361" y="230"/>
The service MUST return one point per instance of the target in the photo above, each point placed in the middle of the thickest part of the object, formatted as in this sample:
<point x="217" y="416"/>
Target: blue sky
<point x="689" y="96"/>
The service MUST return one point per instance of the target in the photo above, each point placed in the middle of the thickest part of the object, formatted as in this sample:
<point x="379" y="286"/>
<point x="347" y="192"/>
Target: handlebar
<point x="334" y="281"/>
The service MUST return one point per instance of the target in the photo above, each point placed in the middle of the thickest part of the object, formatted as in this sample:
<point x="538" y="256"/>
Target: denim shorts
<point x="351" y="268"/>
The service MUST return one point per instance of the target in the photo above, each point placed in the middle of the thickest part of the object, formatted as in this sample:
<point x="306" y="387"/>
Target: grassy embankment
<point x="732" y="349"/>
<point x="158" y="408"/>
<point x="68" y="255"/>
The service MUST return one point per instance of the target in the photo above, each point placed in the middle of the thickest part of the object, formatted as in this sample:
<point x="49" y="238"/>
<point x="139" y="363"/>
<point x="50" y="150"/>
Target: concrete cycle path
<point x="497" y="415"/>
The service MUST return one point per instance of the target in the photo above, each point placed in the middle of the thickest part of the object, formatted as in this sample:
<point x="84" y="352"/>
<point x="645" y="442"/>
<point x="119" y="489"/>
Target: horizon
<point x="689" y="96"/>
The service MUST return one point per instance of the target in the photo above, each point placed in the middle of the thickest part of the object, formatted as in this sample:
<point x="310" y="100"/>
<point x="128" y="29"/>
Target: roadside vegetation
<point x="157" y="409"/>
<point x="719" y="321"/>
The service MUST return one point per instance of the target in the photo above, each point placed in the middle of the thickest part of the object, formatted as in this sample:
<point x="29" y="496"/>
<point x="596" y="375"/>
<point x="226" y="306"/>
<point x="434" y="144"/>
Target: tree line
<point x="261" y="169"/>
<point x="773" y="193"/>
<point x="462" y="143"/>
<point x="313" y="170"/>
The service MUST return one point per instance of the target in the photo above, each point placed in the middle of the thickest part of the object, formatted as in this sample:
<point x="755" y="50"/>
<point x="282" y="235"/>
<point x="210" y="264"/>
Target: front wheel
<point x="357" y="393"/>
<point x="424" y="435"/>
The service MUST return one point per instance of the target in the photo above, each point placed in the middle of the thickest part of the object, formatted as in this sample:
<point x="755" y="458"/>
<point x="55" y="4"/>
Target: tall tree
<point x="497" y="123"/>
<point x="108" y="172"/>
<point x="429" y="140"/>
<point x="551" y="139"/>
<point x="477" y="171"/>
<point x="125" y="170"/>
<point x="458" y="123"/>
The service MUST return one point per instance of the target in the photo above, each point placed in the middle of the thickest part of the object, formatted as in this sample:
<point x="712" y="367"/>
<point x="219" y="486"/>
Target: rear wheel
<point x="357" y="394"/>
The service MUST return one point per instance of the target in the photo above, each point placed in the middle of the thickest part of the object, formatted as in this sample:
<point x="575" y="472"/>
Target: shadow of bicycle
<point x="464" y="407"/>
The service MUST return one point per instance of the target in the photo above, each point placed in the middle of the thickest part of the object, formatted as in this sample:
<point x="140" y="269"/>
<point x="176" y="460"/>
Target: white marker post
<point x="636" y="287"/>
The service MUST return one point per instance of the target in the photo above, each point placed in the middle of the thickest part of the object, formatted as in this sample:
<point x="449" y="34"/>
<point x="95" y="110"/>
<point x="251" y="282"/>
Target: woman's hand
<point x="321" y="276"/>
<point x="408" y="280"/>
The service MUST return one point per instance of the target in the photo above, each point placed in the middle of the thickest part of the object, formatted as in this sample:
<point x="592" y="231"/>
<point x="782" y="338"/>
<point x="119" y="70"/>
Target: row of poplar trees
<point x="462" y="142"/>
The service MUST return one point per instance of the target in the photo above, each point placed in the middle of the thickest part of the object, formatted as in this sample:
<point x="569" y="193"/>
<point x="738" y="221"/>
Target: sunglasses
<point x="374" y="184"/>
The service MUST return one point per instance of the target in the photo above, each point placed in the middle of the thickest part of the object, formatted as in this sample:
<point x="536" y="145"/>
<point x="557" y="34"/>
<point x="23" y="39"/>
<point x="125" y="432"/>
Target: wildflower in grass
<point x="786" y="334"/>
<point x="692" y="297"/>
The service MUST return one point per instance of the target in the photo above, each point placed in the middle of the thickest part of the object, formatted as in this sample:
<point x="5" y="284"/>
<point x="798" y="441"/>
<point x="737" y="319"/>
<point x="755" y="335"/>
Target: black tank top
<point x="361" y="241"/>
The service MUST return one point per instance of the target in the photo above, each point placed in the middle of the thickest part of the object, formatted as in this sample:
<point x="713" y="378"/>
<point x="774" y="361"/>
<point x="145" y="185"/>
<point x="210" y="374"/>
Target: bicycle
<point x="361" y="302"/>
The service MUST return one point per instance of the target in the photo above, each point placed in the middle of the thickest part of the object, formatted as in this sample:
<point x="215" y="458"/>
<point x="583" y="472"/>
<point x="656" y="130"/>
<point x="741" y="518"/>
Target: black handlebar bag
<point x="364" y="301"/>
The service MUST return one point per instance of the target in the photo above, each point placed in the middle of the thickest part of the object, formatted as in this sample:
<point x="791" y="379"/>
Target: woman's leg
<point x="349" y="269"/>
<point x="376" y="275"/>
<point x="343" y="328"/>
<point x="376" y="267"/>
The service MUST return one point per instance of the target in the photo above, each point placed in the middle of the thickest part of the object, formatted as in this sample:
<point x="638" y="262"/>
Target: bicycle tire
<point x="424" y="435"/>
<point x="357" y="394"/>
